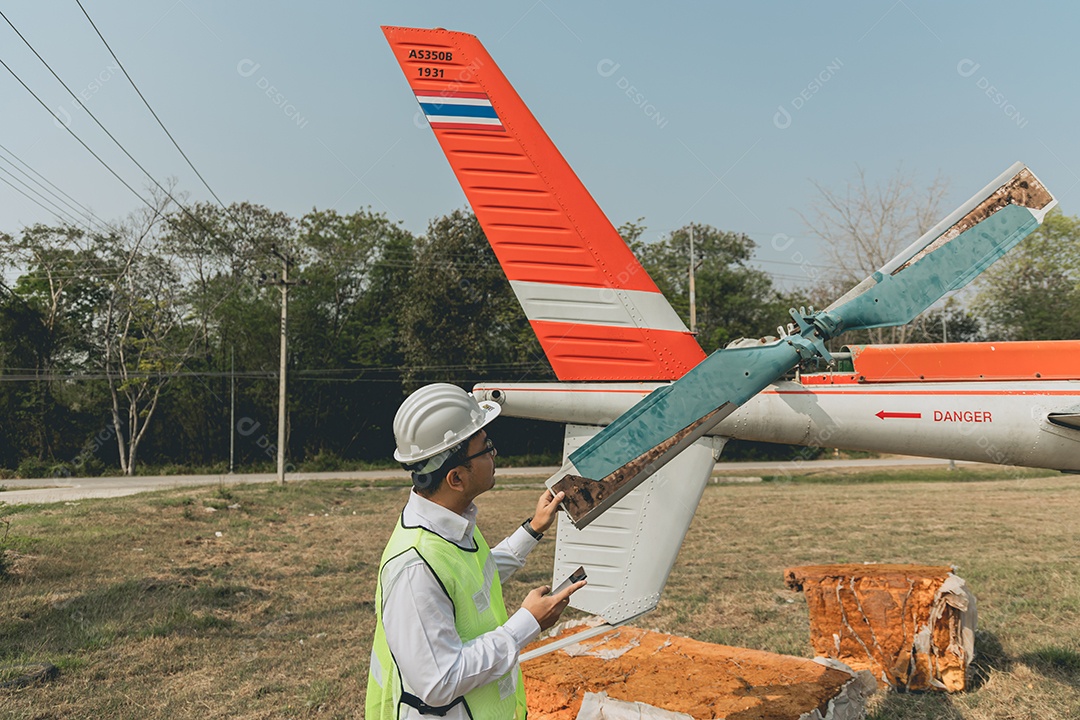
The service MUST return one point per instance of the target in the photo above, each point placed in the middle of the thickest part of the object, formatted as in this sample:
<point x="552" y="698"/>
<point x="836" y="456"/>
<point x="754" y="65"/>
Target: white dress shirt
<point x="418" y="616"/>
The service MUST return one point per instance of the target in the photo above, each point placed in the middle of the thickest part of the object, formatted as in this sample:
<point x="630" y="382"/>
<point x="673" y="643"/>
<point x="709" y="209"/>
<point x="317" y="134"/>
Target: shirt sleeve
<point x="435" y="664"/>
<point x="510" y="554"/>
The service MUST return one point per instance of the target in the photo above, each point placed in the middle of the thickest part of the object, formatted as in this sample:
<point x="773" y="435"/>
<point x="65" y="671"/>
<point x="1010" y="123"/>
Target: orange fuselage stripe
<point x="985" y="361"/>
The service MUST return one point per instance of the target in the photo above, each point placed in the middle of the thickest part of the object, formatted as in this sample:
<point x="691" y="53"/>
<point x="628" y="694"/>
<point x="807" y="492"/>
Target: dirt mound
<point x="677" y="674"/>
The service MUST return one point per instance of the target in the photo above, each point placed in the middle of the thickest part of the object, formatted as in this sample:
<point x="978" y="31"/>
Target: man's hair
<point x="427" y="483"/>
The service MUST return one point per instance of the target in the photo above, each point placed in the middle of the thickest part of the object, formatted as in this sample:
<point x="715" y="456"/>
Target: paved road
<point x="51" y="490"/>
<point x="18" y="492"/>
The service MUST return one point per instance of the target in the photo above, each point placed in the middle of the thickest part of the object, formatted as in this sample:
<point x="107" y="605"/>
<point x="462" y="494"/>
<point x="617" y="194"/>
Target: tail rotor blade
<point x="665" y="422"/>
<point x="668" y="420"/>
<point x="948" y="257"/>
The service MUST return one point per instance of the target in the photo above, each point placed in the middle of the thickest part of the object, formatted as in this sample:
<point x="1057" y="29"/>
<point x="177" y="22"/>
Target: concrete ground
<point x="51" y="490"/>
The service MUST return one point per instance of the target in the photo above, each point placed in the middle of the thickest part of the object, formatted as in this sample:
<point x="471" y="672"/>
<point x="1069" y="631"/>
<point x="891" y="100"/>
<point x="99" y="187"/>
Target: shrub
<point x="31" y="467"/>
<point x="323" y="461"/>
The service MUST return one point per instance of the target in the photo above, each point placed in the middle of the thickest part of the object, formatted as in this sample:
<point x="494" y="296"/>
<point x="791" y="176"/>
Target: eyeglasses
<point x="489" y="447"/>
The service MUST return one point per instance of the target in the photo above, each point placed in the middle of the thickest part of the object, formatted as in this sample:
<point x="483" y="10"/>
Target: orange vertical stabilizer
<point x="597" y="313"/>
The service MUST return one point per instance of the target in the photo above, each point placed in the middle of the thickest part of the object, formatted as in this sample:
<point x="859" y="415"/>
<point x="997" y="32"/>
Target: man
<point x="444" y="646"/>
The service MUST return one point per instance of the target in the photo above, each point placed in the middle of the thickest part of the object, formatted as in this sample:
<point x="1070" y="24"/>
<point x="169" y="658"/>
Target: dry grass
<point x="148" y="613"/>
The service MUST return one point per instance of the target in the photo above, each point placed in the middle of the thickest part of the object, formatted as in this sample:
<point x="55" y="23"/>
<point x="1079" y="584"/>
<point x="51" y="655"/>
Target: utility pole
<point x="693" y="306"/>
<point x="232" y="408"/>
<point x="693" y="301"/>
<point x="282" y="284"/>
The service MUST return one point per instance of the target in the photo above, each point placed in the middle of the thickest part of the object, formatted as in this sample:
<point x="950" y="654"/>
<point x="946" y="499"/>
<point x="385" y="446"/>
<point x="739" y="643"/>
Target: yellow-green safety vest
<point x="471" y="580"/>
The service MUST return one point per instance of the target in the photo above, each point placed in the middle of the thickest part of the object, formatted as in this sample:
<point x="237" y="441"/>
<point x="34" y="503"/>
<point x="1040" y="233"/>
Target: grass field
<point x="256" y="601"/>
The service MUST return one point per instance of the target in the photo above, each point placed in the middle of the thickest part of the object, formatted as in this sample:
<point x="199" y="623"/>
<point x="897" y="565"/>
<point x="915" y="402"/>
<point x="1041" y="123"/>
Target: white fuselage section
<point x="995" y="422"/>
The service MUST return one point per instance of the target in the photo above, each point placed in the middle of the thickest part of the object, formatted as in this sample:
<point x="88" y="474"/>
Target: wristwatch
<point x="529" y="529"/>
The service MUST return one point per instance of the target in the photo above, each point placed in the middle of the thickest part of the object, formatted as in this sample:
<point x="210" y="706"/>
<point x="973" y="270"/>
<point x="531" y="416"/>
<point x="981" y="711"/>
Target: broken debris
<point x="912" y="626"/>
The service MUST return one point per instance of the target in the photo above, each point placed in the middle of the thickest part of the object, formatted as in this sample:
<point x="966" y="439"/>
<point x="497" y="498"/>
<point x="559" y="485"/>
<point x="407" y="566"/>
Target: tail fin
<point x="597" y="313"/>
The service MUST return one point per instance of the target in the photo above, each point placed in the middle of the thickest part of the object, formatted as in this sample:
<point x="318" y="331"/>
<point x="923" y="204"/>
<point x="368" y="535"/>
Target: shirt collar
<point x="442" y="521"/>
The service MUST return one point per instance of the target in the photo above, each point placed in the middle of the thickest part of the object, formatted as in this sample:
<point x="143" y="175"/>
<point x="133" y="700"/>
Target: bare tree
<point x="143" y="333"/>
<point x="865" y="225"/>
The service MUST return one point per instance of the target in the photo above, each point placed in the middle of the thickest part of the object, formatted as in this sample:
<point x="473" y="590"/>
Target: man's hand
<point x="546" y="507"/>
<point x="547" y="608"/>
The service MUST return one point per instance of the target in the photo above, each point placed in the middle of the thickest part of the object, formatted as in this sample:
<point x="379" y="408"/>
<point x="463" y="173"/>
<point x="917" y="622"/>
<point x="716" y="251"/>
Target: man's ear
<point x="454" y="480"/>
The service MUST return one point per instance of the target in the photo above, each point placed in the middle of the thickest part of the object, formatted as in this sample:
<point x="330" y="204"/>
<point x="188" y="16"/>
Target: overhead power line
<point x="98" y="122"/>
<point x="82" y="209"/>
<point x="66" y="212"/>
<point x="147" y="104"/>
<point x="72" y="133"/>
<point x="198" y="221"/>
<point x="56" y="210"/>
<point x="74" y="97"/>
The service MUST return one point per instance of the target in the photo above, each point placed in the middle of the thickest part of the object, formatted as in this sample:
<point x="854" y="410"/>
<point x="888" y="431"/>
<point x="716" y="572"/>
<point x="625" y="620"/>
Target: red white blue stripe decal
<point x="459" y="110"/>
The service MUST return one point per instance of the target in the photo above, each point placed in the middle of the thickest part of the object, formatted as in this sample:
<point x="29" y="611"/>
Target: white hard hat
<point x="434" y="421"/>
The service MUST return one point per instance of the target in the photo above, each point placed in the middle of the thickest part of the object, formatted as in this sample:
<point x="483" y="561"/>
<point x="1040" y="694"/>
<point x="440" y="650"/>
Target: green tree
<point x="1033" y="293"/>
<point x="733" y="300"/>
<point x="144" y="332"/>
<point x="948" y="324"/>
<point x="461" y="321"/>
<point x="23" y="346"/>
<point x="50" y="314"/>
<point x="345" y="327"/>
<point x="220" y="254"/>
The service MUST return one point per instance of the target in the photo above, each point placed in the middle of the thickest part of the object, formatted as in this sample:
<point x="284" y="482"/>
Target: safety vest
<point x="471" y="580"/>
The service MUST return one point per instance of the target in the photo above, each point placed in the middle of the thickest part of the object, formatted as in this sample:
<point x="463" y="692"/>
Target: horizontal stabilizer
<point x="597" y="313"/>
<point x="989" y="361"/>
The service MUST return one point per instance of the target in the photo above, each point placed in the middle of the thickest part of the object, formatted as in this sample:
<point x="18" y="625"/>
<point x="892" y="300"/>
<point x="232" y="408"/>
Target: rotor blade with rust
<point x="666" y="421"/>
<point x="671" y="418"/>
<point x="948" y="257"/>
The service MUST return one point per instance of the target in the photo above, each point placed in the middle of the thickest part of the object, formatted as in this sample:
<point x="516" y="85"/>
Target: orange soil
<point x="700" y="679"/>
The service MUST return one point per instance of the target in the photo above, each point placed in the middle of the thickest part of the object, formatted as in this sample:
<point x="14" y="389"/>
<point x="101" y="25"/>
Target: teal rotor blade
<point x="734" y="376"/>
<point x="662" y="424"/>
<point x="947" y="258"/>
<point x="668" y="420"/>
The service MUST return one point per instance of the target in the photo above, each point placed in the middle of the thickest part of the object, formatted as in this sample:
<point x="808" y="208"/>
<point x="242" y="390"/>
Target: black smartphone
<point x="575" y="577"/>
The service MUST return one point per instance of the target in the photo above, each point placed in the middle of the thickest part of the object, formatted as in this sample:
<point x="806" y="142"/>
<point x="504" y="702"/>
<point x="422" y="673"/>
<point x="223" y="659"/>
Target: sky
<point x="710" y="112"/>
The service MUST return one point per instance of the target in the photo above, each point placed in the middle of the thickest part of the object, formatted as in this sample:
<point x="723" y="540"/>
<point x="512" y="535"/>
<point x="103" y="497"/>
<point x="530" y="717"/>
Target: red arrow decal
<point x="883" y="415"/>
